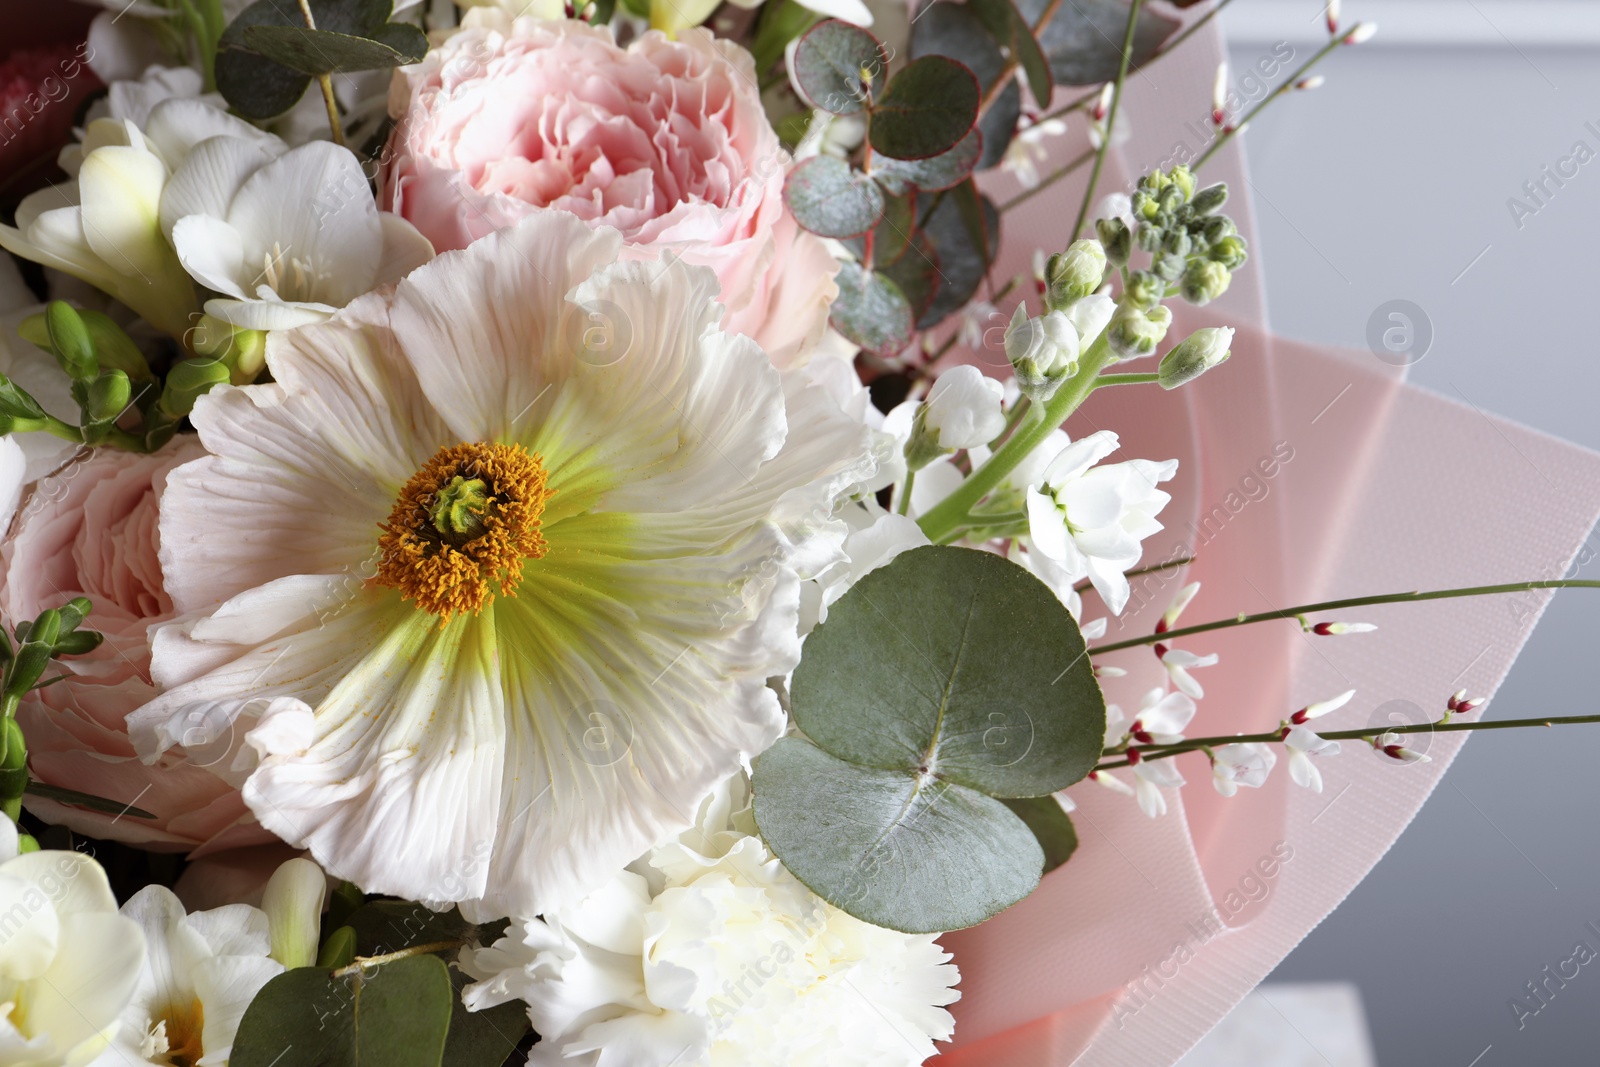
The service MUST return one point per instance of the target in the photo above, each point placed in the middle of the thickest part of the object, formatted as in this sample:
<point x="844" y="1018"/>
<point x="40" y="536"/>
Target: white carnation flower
<point x="707" y="951"/>
<point x="495" y="606"/>
<point x="200" y="973"/>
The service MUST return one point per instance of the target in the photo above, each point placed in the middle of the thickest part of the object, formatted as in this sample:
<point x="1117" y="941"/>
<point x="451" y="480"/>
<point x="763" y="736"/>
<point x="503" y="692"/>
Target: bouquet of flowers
<point x="543" y="511"/>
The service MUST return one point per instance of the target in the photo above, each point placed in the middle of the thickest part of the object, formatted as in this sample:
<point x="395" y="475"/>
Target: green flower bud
<point x="339" y="950"/>
<point x="79" y="642"/>
<point x="1145" y="290"/>
<point x="1204" y="281"/>
<point x="1209" y="200"/>
<point x="69" y="339"/>
<point x="1043" y="352"/>
<point x="108" y="396"/>
<point x="114" y="347"/>
<point x="1148" y="237"/>
<point x="1172" y="198"/>
<point x="18" y="402"/>
<point x="1074" y="274"/>
<point x="1176" y="243"/>
<point x="187" y="381"/>
<point x="1145" y="206"/>
<point x="1169" y="266"/>
<point x="1230" y="252"/>
<point x="74" y="611"/>
<point x="923" y="446"/>
<point x="1182" y="178"/>
<point x="293" y="903"/>
<point x="1116" y="239"/>
<point x="244" y="351"/>
<point x="1134" y="333"/>
<point x="1196" y="354"/>
<point x="1215" y="227"/>
<point x="27" y="843"/>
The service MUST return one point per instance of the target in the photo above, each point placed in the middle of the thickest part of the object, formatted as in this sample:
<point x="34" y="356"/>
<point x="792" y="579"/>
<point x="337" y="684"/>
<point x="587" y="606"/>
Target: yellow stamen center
<point x="462" y="527"/>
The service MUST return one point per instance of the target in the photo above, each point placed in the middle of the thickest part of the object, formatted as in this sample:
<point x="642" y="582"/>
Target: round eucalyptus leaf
<point x="831" y="199"/>
<point x="901" y="850"/>
<point x="927" y="109"/>
<point x="836" y="65"/>
<point x="871" y="310"/>
<point x="934" y="173"/>
<point x="1051" y="826"/>
<point x="954" y="663"/>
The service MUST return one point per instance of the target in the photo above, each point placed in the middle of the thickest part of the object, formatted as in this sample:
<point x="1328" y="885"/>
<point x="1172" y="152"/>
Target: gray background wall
<point x="1392" y="181"/>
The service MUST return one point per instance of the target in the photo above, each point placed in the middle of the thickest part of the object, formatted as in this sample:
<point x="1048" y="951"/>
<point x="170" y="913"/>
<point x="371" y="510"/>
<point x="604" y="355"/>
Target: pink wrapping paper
<point x="1157" y="928"/>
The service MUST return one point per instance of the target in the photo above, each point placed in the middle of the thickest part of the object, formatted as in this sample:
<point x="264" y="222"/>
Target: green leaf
<point x="1084" y="39"/>
<point x="954" y="30"/>
<point x="396" y="1015"/>
<point x="483" y="1038"/>
<point x="261" y="88"/>
<point x="964" y="231"/>
<point x="934" y="173"/>
<point x="1006" y="24"/>
<point x="836" y="65"/>
<point x="871" y="311"/>
<point x="391" y="925"/>
<point x="892" y="236"/>
<point x="909" y="852"/>
<point x="928" y="108"/>
<point x="63" y="795"/>
<point x="955" y="663"/>
<point x="831" y="199"/>
<point x="315" y="52"/>
<point x="916" y="272"/>
<point x="1051" y="826"/>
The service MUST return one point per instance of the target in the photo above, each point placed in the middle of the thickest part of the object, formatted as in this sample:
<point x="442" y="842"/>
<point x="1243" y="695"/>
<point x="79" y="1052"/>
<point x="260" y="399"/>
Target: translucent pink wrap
<point x="1157" y="928"/>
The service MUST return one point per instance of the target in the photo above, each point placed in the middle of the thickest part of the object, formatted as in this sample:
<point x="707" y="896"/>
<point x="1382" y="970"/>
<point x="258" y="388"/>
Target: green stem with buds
<point x="1111" y="118"/>
<point x="1297" y="613"/>
<point x="1198" y="744"/>
<point x="1126" y="379"/>
<point x="953" y="511"/>
<point x="1283" y="88"/>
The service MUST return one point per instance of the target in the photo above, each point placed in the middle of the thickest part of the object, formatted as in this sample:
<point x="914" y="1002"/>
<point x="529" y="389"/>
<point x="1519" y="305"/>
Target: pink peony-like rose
<point x="92" y="529"/>
<point x="664" y="140"/>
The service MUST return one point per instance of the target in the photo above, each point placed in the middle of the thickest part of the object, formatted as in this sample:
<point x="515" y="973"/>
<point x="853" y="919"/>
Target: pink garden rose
<point x="664" y="140"/>
<point x="91" y="529"/>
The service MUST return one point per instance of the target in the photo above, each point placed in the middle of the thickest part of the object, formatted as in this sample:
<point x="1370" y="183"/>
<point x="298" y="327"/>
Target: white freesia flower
<point x="199" y="975"/>
<point x="68" y="962"/>
<point x="1091" y="519"/>
<point x="1236" y="765"/>
<point x="496" y="607"/>
<point x="707" y="951"/>
<point x="963" y="408"/>
<point x="1302" y="743"/>
<point x="288" y="238"/>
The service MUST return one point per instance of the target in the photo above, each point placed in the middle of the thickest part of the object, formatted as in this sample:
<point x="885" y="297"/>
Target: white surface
<point x="1310" y="1024"/>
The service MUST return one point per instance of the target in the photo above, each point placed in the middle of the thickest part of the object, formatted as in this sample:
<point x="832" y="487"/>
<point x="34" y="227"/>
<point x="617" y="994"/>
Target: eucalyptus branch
<point x="1365" y="733"/>
<point x="1111" y="117"/>
<point x="326" y="83"/>
<point x="1296" y="613"/>
<point x="361" y="963"/>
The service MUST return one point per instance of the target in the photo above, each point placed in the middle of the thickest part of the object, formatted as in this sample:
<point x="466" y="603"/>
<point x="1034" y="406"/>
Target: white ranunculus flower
<point x="288" y="238"/>
<point x="68" y="962"/>
<point x="1091" y="519"/>
<point x="497" y="606"/>
<point x="707" y="951"/>
<point x="199" y="975"/>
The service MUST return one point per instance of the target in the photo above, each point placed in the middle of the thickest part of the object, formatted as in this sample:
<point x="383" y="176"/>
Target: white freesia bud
<point x="1194" y="355"/>
<point x="1074" y="274"/>
<point x="1043" y="352"/>
<point x="963" y="408"/>
<point x="1133" y="333"/>
<point x="293" y="903"/>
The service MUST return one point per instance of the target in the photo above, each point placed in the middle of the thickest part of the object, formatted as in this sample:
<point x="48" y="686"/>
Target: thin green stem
<point x="953" y="511"/>
<point x="905" y="492"/>
<point x="1111" y="118"/>
<point x="1196" y="744"/>
<point x="1281" y="90"/>
<point x="1126" y="379"/>
<point x="1048" y="181"/>
<point x="1350" y="602"/>
<point x="363" y="962"/>
<point x="325" y="82"/>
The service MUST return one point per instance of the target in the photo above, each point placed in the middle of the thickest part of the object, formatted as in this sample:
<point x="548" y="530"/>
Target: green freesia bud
<point x="293" y="903"/>
<point x="1194" y="355"/>
<point x="244" y="351"/>
<point x="1074" y="274"/>
<point x="1134" y="333"/>
<point x="1145" y="290"/>
<point x="79" y="642"/>
<point x="108" y="396"/>
<point x="1043" y="352"/>
<point x="114" y="347"/>
<point x="1116" y="239"/>
<point x="1204" y="281"/>
<point x="339" y="950"/>
<point x="27" y="843"/>
<point x="1230" y="252"/>
<point x="1209" y="200"/>
<point x="17" y="402"/>
<point x="70" y="341"/>
<point x="187" y="381"/>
